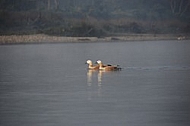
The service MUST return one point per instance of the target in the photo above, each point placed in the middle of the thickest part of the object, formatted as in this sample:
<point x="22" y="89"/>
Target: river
<point x="49" y="84"/>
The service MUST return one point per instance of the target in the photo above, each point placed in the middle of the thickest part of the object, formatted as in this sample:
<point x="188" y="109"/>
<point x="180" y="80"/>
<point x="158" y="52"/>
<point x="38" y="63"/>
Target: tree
<point x="56" y="4"/>
<point x="49" y="4"/>
<point x="179" y="7"/>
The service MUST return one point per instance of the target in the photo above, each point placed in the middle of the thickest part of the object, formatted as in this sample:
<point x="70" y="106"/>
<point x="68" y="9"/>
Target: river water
<point x="49" y="84"/>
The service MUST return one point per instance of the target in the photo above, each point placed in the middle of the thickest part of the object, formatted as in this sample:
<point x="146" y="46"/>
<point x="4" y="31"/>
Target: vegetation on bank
<point x="94" y="18"/>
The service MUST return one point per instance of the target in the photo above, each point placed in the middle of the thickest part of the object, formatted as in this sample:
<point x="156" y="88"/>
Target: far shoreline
<point x="42" y="38"/>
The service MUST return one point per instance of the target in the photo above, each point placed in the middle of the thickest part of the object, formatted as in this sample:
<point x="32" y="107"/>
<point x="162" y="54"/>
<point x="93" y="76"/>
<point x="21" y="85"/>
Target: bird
<point x="107" y="67"/>
<point x="91" y="66"/>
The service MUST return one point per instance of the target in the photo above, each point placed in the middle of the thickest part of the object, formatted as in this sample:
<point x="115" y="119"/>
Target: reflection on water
<point x="89" y="77"/>
<point x="95" y="77"/>
<point x="89" y="83"/>
<point x="100" y="78"/>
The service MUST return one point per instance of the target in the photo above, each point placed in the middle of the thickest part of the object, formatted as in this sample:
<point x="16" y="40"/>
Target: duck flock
<point x="100" y="66"/>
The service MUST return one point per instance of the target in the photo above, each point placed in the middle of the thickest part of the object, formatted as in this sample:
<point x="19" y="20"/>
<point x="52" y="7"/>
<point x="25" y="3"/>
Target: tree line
<point x="103" y="16"/>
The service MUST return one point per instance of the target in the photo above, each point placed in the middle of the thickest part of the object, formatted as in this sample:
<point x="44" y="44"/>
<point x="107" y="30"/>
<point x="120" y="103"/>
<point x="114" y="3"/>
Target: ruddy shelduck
<point x="107" y="67"/>
<point x="91" y="66"/>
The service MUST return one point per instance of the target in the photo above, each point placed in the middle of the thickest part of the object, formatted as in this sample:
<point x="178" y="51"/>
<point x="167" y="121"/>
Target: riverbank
<point x="42" y="38"/>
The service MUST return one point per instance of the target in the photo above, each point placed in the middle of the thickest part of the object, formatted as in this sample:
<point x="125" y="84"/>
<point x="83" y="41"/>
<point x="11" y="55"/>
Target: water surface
<point x="49" y="85"/>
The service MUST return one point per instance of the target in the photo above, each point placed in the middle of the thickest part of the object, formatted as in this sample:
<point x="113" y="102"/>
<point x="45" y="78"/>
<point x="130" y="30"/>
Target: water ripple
<point x="170" y="68"/>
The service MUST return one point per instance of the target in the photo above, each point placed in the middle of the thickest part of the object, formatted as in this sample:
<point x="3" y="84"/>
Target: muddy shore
<point x="42" y="38"/>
